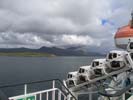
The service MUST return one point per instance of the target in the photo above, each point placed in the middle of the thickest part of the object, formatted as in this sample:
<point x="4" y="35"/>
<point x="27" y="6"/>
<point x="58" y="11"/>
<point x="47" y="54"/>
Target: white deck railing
<point x="41" y="95"/>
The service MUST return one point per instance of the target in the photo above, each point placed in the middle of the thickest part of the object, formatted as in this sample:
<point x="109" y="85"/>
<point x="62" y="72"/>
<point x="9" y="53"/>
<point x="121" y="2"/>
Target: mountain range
<point x="71" y="51"/>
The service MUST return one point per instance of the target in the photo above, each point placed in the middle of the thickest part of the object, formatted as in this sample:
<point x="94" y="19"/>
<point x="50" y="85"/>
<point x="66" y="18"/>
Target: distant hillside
<point x="72" y="51"/>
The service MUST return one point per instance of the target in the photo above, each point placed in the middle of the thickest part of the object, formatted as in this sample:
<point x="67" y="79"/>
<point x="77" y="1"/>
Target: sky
<point x="62" y="23"/>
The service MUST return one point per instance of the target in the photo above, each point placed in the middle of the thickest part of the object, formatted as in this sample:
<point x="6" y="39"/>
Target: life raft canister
<point x="124" y="35"/>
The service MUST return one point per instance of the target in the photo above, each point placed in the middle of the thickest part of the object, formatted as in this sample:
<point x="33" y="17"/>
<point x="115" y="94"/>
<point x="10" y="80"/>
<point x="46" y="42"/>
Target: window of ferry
<point x="81" y="70"/>
<point x="95" y="63"/>
<point x="69" y="76"/>
<point x="131" y="45"/>
<point x="131" y="54"/>
<point x="110" y="56"/>
<point x="114" y="55"/>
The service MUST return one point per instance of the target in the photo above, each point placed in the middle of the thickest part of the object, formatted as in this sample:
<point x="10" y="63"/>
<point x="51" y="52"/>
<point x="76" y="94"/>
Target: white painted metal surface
<point x="123" y="42"/>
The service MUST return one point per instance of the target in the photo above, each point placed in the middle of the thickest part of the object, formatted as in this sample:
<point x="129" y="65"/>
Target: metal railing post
<point x="59" y="95"/>
<point x="53" y="83"/>
<point x="25" y="89"/>
<point x="47" y="97"/>
<point x="40" y="96"/>
<point x="53" y="93"/>
<point x="123" y="96"/>
<point x="90" y="96"/>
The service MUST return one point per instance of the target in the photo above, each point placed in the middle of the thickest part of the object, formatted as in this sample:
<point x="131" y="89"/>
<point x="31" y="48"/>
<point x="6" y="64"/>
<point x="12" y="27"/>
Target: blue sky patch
<point x="105" y="21"/>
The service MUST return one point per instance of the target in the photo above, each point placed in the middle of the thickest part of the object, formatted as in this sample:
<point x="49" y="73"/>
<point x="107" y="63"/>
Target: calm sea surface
<point x="26" y="69"/>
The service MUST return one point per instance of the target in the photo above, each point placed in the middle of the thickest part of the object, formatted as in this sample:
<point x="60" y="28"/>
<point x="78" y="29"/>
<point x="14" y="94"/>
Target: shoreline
<point x="26" y="54"/>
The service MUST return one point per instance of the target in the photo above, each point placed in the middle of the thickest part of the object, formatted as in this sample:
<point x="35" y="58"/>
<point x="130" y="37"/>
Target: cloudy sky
<point x="62" y="23"/>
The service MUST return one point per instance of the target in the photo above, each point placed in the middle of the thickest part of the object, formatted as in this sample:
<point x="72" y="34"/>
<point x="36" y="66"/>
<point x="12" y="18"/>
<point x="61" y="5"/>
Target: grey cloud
<point x="22" y="40"/>
<point x="34" y="23"/>
<point x="49" y="16"/>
